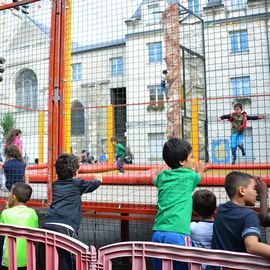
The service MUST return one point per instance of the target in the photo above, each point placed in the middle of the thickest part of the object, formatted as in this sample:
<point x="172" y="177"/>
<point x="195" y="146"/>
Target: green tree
<point x="7" y="123"/>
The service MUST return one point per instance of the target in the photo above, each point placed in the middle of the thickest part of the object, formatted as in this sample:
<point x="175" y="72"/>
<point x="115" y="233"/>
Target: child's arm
<point x="253" y="246"/>
<point x="225" y="116"/>
<point x="256" y="117"/>
<point x="90" y="186"/>
<point x="262" y="192"/>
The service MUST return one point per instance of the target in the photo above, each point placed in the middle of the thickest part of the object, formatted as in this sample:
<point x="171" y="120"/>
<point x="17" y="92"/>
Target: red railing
<point x="86" y="258"/>
<point x="196" y="257"/>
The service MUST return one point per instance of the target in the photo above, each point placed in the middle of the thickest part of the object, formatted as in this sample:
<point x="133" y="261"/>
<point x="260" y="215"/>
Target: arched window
<point x="77" y="119"/>
<point x="26" y="90"/>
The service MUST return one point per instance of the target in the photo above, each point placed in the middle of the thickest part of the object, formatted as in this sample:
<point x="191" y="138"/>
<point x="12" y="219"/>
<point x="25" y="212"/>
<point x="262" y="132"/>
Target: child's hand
<point x="261" y="186"/>
<point x="159" y="168"/>
<point x="1" y="165"/>
<point x="261" y="116"/>
<point x="99" y="177"/>
<point x="199" y="167"/>
<point x="219" y="119"/>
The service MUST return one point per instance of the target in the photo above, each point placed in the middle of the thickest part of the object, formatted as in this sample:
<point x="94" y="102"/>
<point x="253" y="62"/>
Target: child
<point x="18" y="214"/>
<point x="204" y="204"/>
<point x="175" y="186"/>
<point x="129" y="156"/>
<point x="120" y="153"/>
<point x="163" y="83"/>
<point x="14" y="137"/>
<point x="13" y="168"/>
<point x="238" y="118"/>
<point x="65" y="212"/>
<point x="236" y="227"/>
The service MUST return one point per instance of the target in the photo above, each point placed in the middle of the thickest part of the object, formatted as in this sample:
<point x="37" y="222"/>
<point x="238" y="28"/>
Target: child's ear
<point x="241" y="190"/>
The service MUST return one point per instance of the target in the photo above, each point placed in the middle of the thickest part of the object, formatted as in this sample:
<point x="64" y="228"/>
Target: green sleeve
<point x="1" y="219"/>
<point x="197" y="179"/>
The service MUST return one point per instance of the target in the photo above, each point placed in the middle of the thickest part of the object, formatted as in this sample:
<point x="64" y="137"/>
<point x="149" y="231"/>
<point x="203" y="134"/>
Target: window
<point x="239" y="41"/>
<point x="76" y="72"/>
<point x="154" y="13"/>
<point x="156" y="142"/>
<point x="77" y="119"/>
<point x="240" y="86"/>
<point x="156" y="94"/>
<point x="26" y="90"/>
<point x="238" y="4"/>
<point x="155" y="52"/>
<point x="117" y="66"/>
<point x="194" y="6"/>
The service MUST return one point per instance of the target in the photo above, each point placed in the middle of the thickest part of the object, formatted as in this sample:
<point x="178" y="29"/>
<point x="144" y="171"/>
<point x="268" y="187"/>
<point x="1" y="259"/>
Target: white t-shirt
<point x="201" y="233"/>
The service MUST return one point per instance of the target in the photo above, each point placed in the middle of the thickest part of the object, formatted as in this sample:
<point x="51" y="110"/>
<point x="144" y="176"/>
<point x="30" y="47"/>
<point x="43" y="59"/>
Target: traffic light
<point x="2" y="68"/>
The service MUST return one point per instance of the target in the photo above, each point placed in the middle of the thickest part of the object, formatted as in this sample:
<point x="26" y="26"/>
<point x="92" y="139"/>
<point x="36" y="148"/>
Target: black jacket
<point x="66" y="204"/>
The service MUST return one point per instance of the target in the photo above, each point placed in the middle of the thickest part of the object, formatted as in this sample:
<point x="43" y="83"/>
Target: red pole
<point x="53" y="95"/>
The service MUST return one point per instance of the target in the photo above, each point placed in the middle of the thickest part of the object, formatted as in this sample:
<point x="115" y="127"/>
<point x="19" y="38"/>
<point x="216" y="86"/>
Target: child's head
<point x="66" y="166"/>
<point x="12" y="134"/>
<point x="165" y="72"/>
<point x="238" y="108"/>
<point x="13" y="152"/>
<point x="178" y="153"/>
<point x="21" y="192"/>
<point x="242" y="186"/>
<point x="114" y="140"/>
<point x="204" y="203"/>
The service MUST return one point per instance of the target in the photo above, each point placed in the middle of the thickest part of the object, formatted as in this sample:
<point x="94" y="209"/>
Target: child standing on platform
<point x="238" y="119"/>
<point x="175" y="186"/>
<point x="120" y="154"/>
<point x="17" y="213"/>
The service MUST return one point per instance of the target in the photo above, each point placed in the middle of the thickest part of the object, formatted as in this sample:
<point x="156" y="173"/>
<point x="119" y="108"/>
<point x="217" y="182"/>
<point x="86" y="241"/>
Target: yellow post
<point x="195" y="128"/>
<point x="67" y="96"/>
<point x="41" y="137"/>
<point x="110" y="133"/>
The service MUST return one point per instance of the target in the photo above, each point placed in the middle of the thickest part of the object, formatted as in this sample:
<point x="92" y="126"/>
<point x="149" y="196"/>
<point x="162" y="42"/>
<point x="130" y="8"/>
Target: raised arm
<point x="225" y="116"/>
<point x="262" y="197"/>
<point x="256" y="117"/>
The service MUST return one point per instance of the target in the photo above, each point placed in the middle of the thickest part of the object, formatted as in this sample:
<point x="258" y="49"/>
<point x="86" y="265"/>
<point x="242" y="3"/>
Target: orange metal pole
<point x="53" y="95"/>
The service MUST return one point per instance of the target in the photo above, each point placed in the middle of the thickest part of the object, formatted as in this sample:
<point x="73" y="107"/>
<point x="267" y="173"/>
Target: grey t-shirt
<point x="201" y="233"/>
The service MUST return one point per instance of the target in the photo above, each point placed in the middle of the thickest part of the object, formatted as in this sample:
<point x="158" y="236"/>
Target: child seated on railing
<point x="236" y="227"/>
<point x="17" y="213"/>
<point x="204" y="205"/>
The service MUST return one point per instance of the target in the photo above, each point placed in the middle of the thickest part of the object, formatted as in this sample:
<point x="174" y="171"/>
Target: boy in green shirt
<point x="175" y="187"/>
<point x="18" y="214"/>
<point x="120" y="153"/>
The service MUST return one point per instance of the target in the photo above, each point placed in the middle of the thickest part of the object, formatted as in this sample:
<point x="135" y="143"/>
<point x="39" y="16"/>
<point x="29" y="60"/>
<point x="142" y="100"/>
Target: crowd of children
<point x="234" y="228"/>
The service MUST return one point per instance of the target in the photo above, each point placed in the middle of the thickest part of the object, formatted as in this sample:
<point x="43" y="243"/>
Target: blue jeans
<point x="237" y="139"/>
<point x="173" y="238"/>
<point x="120" y="164"/>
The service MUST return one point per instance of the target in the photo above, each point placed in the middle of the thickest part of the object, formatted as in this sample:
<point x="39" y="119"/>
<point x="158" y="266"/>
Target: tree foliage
<point x="7" y="123"/>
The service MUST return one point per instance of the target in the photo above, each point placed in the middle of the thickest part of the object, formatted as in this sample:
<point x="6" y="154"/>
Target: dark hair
<point x="204" y="202"/>
<point x="114" y="139"/>
<point x="12" y="151"/>
<point x="238" y="105"/>
<point x="175" y="151"/>
<point x="234" y="180"/>
<point x="66" y="166"/>
<point x="165" y="72"/>
<point x="22" y="192"/>
<point x="11" y="135"/>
